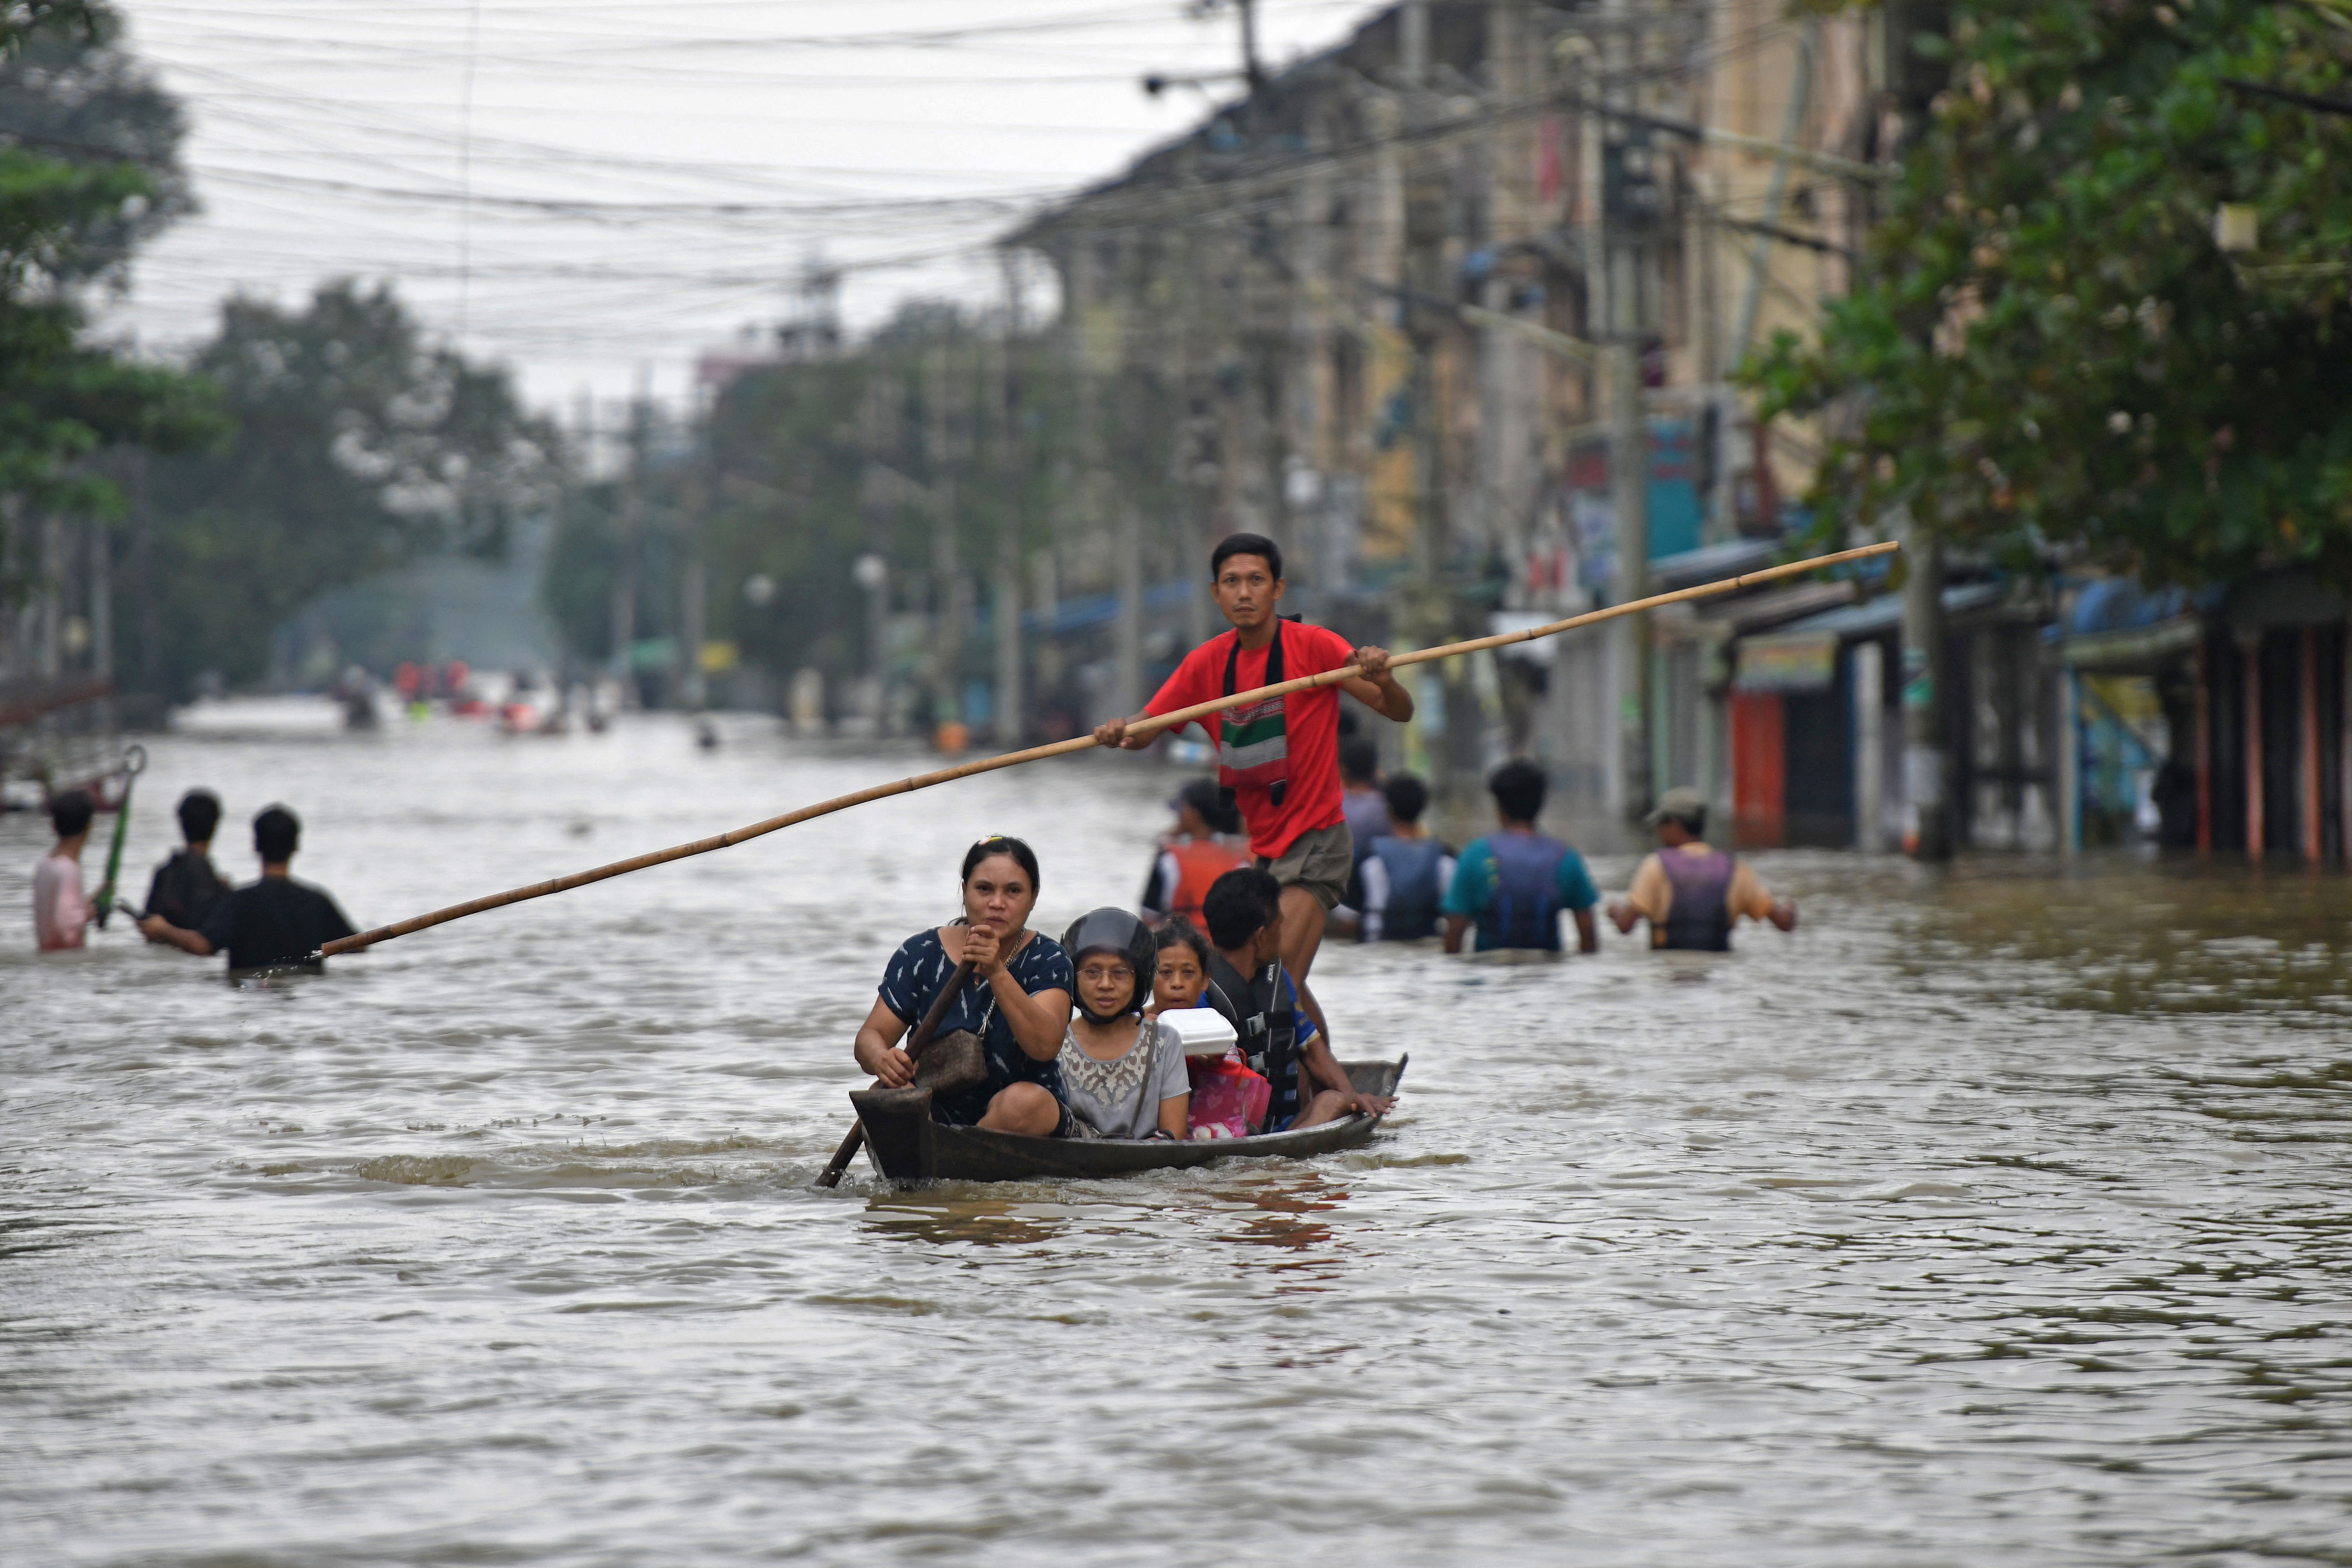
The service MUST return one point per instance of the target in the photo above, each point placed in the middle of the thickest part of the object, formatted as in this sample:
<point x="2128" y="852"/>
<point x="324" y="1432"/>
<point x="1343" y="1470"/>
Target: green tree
<point x="797" y="470"/>
<point x="86" y="170"/>
<point x="2050" y="357"/>
<point x="358" y="444"/>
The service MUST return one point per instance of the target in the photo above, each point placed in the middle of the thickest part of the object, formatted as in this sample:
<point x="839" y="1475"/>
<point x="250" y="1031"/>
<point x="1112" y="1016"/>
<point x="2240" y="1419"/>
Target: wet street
<point x="1993" y="1217"/>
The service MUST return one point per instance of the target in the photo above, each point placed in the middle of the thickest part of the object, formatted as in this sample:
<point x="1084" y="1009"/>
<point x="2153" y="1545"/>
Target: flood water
<point x="1994" y="1217"/>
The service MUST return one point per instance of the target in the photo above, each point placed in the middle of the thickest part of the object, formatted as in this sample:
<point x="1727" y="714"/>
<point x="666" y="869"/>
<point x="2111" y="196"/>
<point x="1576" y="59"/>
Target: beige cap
<point x="1685" y="804"/>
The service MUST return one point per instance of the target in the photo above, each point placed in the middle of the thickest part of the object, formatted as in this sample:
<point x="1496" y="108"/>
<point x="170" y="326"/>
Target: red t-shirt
<point x="1310" y="729"/>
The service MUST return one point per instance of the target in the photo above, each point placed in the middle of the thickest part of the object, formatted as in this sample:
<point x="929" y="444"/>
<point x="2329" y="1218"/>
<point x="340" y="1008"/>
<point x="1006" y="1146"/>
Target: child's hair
<point x="1239" y="904"/>
<point x="70" y="811"/>
<point x="200" y="813"/>
<point x="1179" y="933"/>
<point x="1360" y="759"/>
<point x="1407" y="797"/>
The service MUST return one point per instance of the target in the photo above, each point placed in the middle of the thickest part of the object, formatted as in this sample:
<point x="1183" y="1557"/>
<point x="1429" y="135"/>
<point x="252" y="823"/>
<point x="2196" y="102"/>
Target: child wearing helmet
<point x="1123" y="1075"/>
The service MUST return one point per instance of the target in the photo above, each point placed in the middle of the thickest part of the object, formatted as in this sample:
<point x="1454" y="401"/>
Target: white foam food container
<point x="1204" y="1030"/>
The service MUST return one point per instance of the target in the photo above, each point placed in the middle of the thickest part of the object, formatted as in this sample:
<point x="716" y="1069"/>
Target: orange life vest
<point x="1199" y="862"/>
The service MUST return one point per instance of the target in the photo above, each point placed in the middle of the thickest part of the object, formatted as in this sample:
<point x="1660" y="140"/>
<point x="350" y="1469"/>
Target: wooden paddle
<point x="916" y="1043"/>
<point x="1152" y="726"/>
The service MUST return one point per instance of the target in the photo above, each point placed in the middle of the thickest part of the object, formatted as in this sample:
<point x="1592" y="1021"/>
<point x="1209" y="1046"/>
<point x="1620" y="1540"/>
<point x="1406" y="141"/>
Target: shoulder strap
<point x="1227" y="982"/>
<point x="1273" y="658"/>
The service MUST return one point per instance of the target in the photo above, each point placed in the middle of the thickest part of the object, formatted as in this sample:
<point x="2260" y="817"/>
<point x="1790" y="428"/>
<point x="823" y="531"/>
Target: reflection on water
<point x="1995" y="1216"/>
<point x="2177" y="937"/>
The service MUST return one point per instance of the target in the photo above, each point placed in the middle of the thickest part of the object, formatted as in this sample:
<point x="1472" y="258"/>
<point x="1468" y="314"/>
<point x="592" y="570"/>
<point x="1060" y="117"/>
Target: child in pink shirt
<point x="61" y="913"/>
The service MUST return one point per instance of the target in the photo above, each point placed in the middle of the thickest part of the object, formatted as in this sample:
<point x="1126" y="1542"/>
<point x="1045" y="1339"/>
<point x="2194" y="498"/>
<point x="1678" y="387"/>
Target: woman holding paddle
<point x="1013" y="991"/>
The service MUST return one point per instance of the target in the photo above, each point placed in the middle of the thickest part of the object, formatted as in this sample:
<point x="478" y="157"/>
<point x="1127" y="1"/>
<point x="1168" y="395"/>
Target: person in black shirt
<point x="186" y="887"/>
<point x="275" y="922"/>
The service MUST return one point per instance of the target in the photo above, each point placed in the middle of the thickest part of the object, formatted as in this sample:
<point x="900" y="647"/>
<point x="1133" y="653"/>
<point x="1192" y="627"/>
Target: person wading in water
<point x="1513" y="885"/>
<point x="274" y="923"/>
<point x="1281" y="756"/>
<point x="1691" y="894"/>
<point x="1196" y="856"/>
<point x="188" y="886"/>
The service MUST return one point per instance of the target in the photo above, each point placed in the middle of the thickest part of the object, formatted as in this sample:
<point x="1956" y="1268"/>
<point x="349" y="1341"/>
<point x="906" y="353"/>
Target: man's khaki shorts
<point x="1319" y="861"/>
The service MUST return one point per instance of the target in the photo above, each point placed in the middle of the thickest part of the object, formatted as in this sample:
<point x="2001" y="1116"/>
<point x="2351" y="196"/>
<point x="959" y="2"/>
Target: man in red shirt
<point x="1280" y="757"/>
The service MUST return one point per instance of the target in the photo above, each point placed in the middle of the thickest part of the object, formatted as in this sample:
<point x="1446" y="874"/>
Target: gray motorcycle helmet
<point x="1115" y="932"/>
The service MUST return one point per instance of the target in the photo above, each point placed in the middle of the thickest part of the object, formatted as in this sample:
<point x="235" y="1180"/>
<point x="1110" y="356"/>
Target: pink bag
<point x="1228" y="1100"/>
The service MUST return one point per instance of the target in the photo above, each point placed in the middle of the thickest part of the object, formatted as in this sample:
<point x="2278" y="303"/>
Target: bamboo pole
<point x="1146" y="727"/>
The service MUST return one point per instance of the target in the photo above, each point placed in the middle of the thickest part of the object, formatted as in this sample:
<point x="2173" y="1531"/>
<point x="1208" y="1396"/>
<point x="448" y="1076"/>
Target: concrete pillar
<point x="2251" y="643"/>
<point x="2069" y="760"/>
<point x="1007" y="705"/>
<point x="2313" y="844"/>
<point x="1867" y="678"/>
<point x="101" y="599"/>
<point x="1127" y="695"/>
<point x="1927" y="760"/>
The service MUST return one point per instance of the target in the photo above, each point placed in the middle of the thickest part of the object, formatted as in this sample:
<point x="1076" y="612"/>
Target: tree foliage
<point x="358" y="444"/>
<point x="70" y="91"/>
<point x="798" y="469"/>
<point x="2050" y="355"/>
<point x="69" y="212"/>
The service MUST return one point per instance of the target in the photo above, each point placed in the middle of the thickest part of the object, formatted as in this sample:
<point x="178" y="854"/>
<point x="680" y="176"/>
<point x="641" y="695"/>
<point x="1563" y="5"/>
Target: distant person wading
<point x="1693" y="894"/>
<point x="275" y="922"/>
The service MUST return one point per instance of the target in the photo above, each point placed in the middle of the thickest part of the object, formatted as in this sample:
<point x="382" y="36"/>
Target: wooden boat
<point x="905" y="1145"/>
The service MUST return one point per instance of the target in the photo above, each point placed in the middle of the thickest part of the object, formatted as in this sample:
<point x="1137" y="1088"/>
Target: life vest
<point x="1523" y="909"/>
<point x="1268" y="1032"/>
<point x="1699" y="920"/>
<point x="1199" y="862"/>
<point x="1413" y="892"/>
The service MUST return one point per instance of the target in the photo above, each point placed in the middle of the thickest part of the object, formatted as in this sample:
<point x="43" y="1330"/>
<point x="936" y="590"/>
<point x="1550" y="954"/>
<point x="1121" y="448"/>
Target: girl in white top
<point x="1123" y="1075"/>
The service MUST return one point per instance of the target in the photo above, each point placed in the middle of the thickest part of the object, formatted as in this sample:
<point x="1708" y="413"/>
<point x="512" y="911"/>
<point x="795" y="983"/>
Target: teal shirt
<point x="1474" y="884"/>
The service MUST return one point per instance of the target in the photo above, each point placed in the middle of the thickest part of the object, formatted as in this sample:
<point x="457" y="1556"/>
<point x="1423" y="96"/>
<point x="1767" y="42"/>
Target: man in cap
<point x="1690" y="893"/>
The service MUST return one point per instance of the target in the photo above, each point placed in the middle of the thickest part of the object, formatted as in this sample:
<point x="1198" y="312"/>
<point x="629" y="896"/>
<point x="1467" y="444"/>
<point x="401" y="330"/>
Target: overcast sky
<point x="634" y="182"/>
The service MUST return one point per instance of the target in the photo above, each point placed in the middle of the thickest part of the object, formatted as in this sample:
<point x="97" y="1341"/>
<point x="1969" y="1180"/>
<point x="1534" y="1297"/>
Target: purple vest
<point x="1699" y="919"/>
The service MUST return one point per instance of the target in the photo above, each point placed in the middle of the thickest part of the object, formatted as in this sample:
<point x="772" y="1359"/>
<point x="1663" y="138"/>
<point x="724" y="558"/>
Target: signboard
<point x="1676" y="510"/>
<point x="1791" y="661"/>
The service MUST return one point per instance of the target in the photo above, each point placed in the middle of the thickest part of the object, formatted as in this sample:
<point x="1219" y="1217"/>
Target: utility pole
<point x="1006" y="706"/>
<point x="1627" y="203"/>
<point x="627" y="544"/>
<point x="1426" y="608"/>
<point x="955" y="592"/>
<point x="101" y="599"/>
<point x="1253" y="71"/>
<point x="1912" y="78"/>
<point x="1927" y="760"/>
<point x="692" y="588"/>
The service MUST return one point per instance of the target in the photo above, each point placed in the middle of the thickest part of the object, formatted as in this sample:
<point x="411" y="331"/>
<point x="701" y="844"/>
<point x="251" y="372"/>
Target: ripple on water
<point x="1997" y="1217"/>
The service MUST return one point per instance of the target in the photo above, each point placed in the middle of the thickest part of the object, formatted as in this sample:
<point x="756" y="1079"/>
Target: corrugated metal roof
<point x="1884" y="613"/>
<point x="1688" y="568"/>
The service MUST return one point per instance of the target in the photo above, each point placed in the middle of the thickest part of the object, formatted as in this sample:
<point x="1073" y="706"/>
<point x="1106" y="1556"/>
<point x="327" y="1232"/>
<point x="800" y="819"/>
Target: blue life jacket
<point x="1523" y="911"/>
<point x="1413" y="892"/>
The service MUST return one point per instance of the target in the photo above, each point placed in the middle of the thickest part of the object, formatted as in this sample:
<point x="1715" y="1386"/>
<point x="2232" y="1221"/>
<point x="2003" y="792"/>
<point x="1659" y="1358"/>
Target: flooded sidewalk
<point x="1996" y="1216"/>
